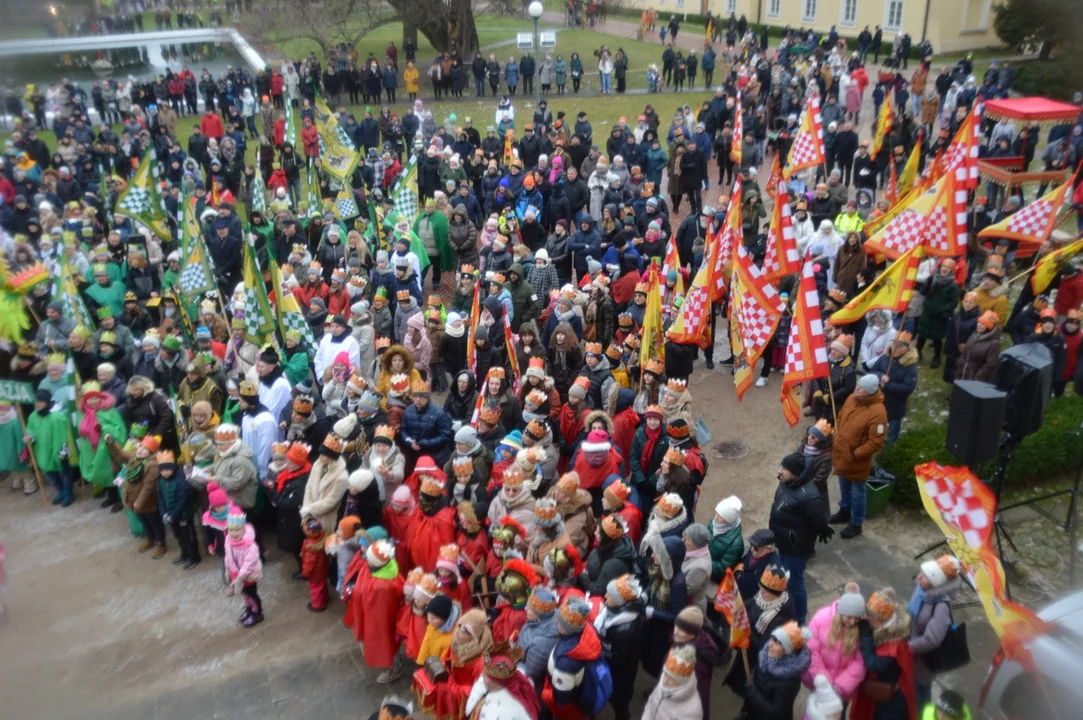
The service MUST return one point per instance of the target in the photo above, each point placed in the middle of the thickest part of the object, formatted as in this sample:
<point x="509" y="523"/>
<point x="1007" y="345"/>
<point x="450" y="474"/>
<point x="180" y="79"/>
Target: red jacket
<point x="592" y="477"/>
<point x="1071" y="354"/>
<point x="1069" y="294"/>
<point x="624" y="430"/>
<point x="338" y="303"/>
<point x="310" y="138"/>
<point x="375" y="626"/>
<point x="314" y="560"/>
<point x="391" y="172"/>
<point x="280" y="132"/>
<point x="278" y="180"/>
<point x="430" y="534"/>
<point x="277" y="83"/>
<point x="211" y="126"/>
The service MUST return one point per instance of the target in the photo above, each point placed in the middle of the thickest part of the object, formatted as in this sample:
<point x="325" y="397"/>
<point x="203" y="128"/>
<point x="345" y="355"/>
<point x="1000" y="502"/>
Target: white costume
<point x="329" y="348"/>
<point x="258" y="432"/>
<point x="495" y="705"/>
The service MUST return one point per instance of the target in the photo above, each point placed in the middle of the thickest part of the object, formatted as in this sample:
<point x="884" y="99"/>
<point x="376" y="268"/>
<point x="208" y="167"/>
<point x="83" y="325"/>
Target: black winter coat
<point x="289" y="534"/>
<point x="798" y="516"/>
<point x="153" y="409"/>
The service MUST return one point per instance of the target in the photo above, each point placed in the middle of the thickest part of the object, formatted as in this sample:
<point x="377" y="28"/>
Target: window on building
<point x="808" y="11"/>
<point x="893" y="21"/>
<point x="731" y="6"/>
<point x="774" y="8"/>
<point x="849" y="13"/>
<point x="679" y="3"/>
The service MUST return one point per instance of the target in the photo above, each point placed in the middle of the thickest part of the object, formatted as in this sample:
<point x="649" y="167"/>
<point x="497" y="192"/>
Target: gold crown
<point x="628" y="587"/>
<point x="334" y="443"/>
<point x="681" y="663"/>
<point x="513" y="476"/>
<point x="248" y="389"/>
<point x="431" y="486"/>
<point x="677" y="386"/>
<point x="384" y="432"/>
<point x="674" y="456"/>
<point x="775" y="579"/>
<point x="569" y="482"/>
<point x="593" y="348"/>
<point x="502" y="659"/>
<point x="497" y="372"/>
<point x="545" y="509"/>
<point x="536" y="430"/>
<point x="670" y="505"/>
<point x="302" y="405"/>
<point x="383" y="342"/>
<point x="278" y="449"/>
<point x="490" y="415"/>
<point x="613" y="526"/>
<point x="655" y="366"/>
<point x="463" y="465"/>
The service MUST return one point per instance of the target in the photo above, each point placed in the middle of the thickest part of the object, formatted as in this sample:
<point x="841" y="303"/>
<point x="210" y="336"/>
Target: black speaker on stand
<point x="975" y="418"/>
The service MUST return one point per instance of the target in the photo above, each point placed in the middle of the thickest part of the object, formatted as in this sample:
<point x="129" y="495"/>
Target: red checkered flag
<point x="736" y="149"/>
<point x="945" y="231"/>
<point x="961" y="157"/>
<point x="807" y="149"/>
<point x="806" y="349"/>
<point x="755" y="309"/>
<point x="781" y="257"/>
<point x="728" y="237"/>
<point x="1033" y="223"/>
<point x="774" y="177"/>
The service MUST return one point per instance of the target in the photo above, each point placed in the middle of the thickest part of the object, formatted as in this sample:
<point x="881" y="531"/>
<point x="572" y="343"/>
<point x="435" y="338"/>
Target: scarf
<point x="90" y="428"/>
<point x="220" y="516"/>
<point x="297" y="430"/>
<point x="286" y="475"/>
<point x="651" y="442"/>
<point x="811" y="450"/>
<point x="769" y="610"/>
<point x="564" y="316"/>
<point x="134" y="470"/>
<point x="723" y="528"/>
<point x="916" y="601"/>
<point x="698" y="552"/>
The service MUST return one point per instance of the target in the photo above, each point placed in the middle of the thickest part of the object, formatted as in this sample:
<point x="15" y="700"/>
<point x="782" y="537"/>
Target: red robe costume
<point x="864" y="708"/>
<point x="571" y="423"/>
<point x="411" y="629"/>
<point x="510" y="620"/>
<point x="624" y="430"/>
<point x="400" y="528"/>
<point x="375" y="628"/>
<point x="429" y="535"/>
<point x="460" y="594"/>
<point x="634" y="517"/>
<point x="590" y="477"/>
<point x="314" y="566"/>
<point x="472" y="550"/>
<point x="622" y="290"/>
<point x="447" y="700"/>
<point x="496" y="478"/>
<point x="356" y="575"/>
<point x="338" y="303"/>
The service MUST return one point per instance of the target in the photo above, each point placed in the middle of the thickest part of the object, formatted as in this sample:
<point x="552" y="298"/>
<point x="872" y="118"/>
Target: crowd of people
<point x="531" y="543"/>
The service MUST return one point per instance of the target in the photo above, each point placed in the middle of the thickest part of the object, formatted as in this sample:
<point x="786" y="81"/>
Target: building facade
<point x="951" y="26"/>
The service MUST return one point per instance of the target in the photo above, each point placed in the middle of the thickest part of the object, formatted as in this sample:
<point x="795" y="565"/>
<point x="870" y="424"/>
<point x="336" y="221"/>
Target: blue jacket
<point x="902" y="381"/>
<point x="537" y="640"/>
<point x="707" y="60"/>
<point x="528" y="199"/>
<point x="369" y="133"/>
<point x="391" y="80"/>
<point x="584" y="244"/>
<point x="511" y="73"/>
<point x="431" y="429"/>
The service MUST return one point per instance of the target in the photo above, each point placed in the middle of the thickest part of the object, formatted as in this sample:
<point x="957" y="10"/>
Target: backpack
<point x="597" y="685"/>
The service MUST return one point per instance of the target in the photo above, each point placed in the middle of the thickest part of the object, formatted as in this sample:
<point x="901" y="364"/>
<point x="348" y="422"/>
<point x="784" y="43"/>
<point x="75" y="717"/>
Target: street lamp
<point x="536" y="9"/>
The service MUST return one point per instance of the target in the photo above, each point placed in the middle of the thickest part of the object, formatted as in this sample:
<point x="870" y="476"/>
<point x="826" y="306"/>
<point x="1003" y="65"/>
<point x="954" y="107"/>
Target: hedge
<point x="1057" y="78"/>
<point x="1045" y="454"/>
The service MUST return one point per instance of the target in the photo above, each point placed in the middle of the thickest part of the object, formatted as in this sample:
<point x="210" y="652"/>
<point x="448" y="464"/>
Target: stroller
<point x="653" y="77"/>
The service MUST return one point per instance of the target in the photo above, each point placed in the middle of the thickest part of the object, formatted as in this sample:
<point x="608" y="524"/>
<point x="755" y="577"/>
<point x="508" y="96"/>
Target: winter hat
<point x="360" y="479"/>
<point x="216" y="496"/>
<point x="345" y="427"/>
<point x="578" y="391"/>
<point x="941" y="570"/>
<point x="792" y="637"/>
<point x="380" y="553"/>
<point x="681" y="664"/>
<point x="794" y="463"/>
<point x="348" y="526"/>
<point x="572" y="616"/>
<point x="597" y="441"/>
<point x="690" y="620"/>
<point x="440" y="606"/>
<point x="869" y="383"/>
<point x="852" y="604"/>
<point x="843" y="344"/>
<point x="466" y="435"/>
<point x="623" y="590"/>
<point x="698" y="534"/>
<point x="729" y="509"/>
<point x="823" y="701"/>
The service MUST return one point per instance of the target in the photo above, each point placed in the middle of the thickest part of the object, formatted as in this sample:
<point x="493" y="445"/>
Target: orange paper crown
<point x="302" y="405"/>
<point x="881" y="605"/>
<point x="655" y="367"/>
<point x="334" y="443"/>
<point x="680" y="663"/>
<point x="428" y="585"/>
<point x="536" y="430"/>
<point x="225" y="433"/>
<point x="674" y="456"/>
<point x="450" y="553"/>
<point x="403" y="295"/>
<point x="642" y="287"/>
<point x="594" y="348"/>
<point x="775" y="579"/>
<point x="463" y="465"/>
<point x="670" y="505"/>
<point x="574" y="617"/>
<point x="537" y="398"/>
<point x="677" y="386"/>
<point x="536" y="363"/>
<point x="613" y="352"/>
<point x="582" y="381"/>
<point x="496" y="372"/>
<point x="279" y="449"/>
<point x="540" y="605"/>
<point x="513" y="476"/>
<point x="619" y="491"/>
<point x="384" y="432"/>
<point x="431" y="486"/>
<point x="490" y="415"/>
<point x="628" y="587"/>
<point x="614" y="526"/>
<point x="383" y="343"/>
<point x="545" y="509"/>
<point x="824" y="427"/>
<point x="569" y="482"/>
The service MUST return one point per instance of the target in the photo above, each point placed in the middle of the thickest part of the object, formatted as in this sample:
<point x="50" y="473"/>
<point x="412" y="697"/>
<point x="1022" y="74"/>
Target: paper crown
<point x="449" y="553"/>
<point x="428" y="585"/>
<point x="400" y="384"/>
<point x="501" y="660"/>
<point x="823" y="428"/>
<point x="165" y="457"/>
<point x="383" y="343"/>
<point x="279" y="449"/>
<point x="513" y="476"/>
<point x="619" y="491"/>
<point x="226" y="433"/>
<point x="582" y="382"/>
<point x="654" y="411"/>
<point x="496" y="372"/>
<point x="674" y="456"/>
<point x="298" y="453"/>
<point x="463" y="465"/>
<point x="574" y="611"/>
<point x="380" y="553"/>
<point x="536" y="429"/>
<point x="613" y="352"/>
<point x="681" y="662"/>
<point x="655" y="367"/>
<point x="543" y="600"/>
<point x="677" y="386"/>
<point x="670" y="505"/>
<point x="419" y="387"/>
<point x="302" y="405"/>
<point x="775" y="579"/>
<point x="838" y="295"/>
<point x="614" y="526"/>
<point x="569" y="482"/>
<point x="490" y="415"/>
<point x="794" y="634"/>
<point x="403" y="295"/>
<point x="628" y="587"/>
<point x="545" y="510"/>
<point x="384" y="432"/>
<point x="536" y="398"/>
<point x="881" y="604"/>
<point x="536" y="363"/>
<point x="498" y="278"/>
<point x="334" y="443"/>
<point x="236" y="518"/>
<point x="593" y="348"/>
<point x="413" y="578"/>
<point x="567" y="293"/>
<point x="467" y="269"/>
<point x="432" y="486"/>
<point x="903" y="337"/>
<point x="642" y="287"/>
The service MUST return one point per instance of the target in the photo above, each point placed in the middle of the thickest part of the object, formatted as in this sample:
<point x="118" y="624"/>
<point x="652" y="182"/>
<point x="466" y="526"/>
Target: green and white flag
<point x="346" y="204"/>
<point x="259" y="317"/>
<point x="288" y="310"/>
<point x="259" y="194"/>
<point x="142" y="201"/>
<point x="404" y="195"/>
<point x="291" y="131"/>
<point x="314" y="205"/>
<point x="196" y="276"/>
<point x="66" y="292"/>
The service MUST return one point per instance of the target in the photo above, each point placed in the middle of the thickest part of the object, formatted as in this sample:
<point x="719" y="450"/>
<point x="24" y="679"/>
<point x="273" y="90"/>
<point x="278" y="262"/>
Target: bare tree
<point x="328" y="23"/>
<point x="448" y="24"/>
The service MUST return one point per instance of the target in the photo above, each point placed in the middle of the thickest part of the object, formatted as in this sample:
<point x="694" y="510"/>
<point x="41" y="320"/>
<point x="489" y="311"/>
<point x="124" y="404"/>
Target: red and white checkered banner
<point x="807" y="149"/>
<point x="781" y="257"/>
<point x="1032" y="223"/>
<point x="755" y="309"/>
<point x="693" y="324"/>
<point x="736" y="149"/>
<point x="961" y="157"/>
<point x="727" y="238"/>
<point x="806" y="347"/>
<point x="936" y="219"/>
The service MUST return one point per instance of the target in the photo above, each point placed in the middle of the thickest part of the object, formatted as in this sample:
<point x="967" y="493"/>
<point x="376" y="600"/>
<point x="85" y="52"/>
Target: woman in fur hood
<point x="574" y="505"/>
<point x="534" y="378"/>
<point x="677" y="402"/>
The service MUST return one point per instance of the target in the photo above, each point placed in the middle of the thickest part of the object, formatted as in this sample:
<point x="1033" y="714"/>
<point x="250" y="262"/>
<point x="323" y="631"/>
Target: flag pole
<point x="1034" y="267"/>
<point x="831" y="390"/>
<point x="33" y="460"/>
<point x="744" y="658"/>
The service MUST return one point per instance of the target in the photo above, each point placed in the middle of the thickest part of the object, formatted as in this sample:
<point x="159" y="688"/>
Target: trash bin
<point x="878" y="490"/>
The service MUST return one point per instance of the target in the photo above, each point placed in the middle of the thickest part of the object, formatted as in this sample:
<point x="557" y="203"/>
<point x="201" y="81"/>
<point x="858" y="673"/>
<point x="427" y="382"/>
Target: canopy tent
<point x="1032" y="109"/>
<point x="1006" y="171"/>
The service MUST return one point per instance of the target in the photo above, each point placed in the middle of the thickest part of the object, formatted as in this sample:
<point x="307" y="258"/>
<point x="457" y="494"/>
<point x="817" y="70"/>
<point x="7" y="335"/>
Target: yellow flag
<point x="652" y="343"/>
<point x="338" y="154"/>
<point x="1048" y="267"/>
<point x="909" y="172"/>
<point x="883" y="126"/>
<point x="891" y="291"/>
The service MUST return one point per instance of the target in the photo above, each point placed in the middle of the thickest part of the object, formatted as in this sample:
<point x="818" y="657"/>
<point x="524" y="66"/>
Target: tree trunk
<point x="450" y="29"/>
<point x="1045" y="50"/>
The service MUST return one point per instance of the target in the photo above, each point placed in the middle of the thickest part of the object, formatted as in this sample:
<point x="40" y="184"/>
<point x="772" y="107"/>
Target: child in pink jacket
<point x="834" y="644"/>
<point x="243" y="566"/>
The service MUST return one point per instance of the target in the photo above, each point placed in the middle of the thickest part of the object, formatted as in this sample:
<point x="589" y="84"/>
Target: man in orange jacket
<point x="859" y="435"/>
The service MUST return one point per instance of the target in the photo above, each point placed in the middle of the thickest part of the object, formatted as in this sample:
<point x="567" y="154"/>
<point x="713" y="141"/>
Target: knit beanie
<point x="216" y="496"/>
<point x="698" y="534"/>
<point x="869" y="383"/>
<point x="440" y="606"/>
<point x="466" y="435"/>
<point x="852" y="604"/>
<point x="690" y="620"/>
<point x="794" y="463"/>
<point x="729" y="509"/>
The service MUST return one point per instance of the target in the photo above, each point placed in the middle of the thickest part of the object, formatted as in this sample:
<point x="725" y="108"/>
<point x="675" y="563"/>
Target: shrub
<point x="1045" y="454"/>
<point x="1056" y="78"/>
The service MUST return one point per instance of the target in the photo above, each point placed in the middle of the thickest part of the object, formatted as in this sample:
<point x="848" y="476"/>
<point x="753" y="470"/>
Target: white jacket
<point x="876" y="340"/>
<point x="498" y="705"/>
<point x="325" y="355"/>
<point x="258" y="433"/>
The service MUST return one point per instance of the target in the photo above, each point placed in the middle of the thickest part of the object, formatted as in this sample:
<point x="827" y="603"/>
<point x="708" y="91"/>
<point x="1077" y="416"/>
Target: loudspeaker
<point x="1025" y="372"/>
<point x="975" y="416"/>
